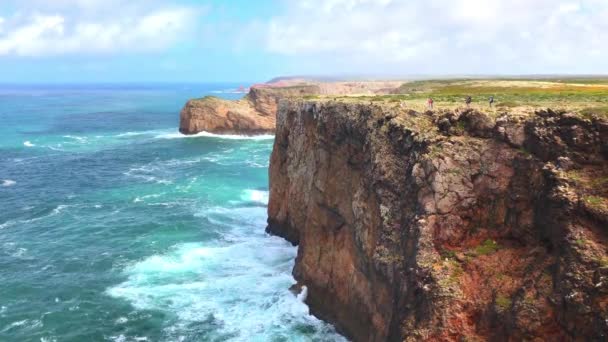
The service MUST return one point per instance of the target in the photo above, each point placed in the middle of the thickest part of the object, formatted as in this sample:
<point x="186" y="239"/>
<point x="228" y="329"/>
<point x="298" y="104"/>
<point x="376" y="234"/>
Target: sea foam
<point x="8" y="182"/>
<point x="237" y="286"/>
<point x="256" y="196"/>
<point x="177" y="135"/>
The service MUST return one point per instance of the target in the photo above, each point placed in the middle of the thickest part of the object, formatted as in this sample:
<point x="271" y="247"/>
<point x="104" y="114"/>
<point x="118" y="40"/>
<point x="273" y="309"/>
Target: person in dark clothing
<point x="468" y="101"/>
<point x="491" y="100"/>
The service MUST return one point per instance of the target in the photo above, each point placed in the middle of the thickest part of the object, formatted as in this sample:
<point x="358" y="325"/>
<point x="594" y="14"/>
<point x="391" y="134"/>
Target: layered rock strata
<point x="254" y="114"/>
<point x="445" y="226"/>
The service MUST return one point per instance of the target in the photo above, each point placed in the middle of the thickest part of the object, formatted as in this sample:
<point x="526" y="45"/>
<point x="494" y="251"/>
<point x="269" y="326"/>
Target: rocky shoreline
<point x="446" y="225"/>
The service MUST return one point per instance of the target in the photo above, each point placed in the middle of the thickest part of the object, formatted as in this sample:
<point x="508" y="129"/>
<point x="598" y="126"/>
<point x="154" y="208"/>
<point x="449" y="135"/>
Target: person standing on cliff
<point x="468" y="101"/>
<point x="491" y="100"/>
<point x="429" y="102"/>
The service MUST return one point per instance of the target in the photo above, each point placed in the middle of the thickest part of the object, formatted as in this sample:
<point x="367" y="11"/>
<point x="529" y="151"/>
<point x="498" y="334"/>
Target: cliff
<point x="445" y="226"/>
<point x="256" y="112"/>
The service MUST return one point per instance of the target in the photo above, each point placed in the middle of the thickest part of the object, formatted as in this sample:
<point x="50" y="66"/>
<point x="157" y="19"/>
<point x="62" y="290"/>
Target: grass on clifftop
<point x="588" y="97"/>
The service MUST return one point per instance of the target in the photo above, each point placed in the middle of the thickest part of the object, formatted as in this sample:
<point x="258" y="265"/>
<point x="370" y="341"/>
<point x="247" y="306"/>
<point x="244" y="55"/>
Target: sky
<point x="64" y="41"/>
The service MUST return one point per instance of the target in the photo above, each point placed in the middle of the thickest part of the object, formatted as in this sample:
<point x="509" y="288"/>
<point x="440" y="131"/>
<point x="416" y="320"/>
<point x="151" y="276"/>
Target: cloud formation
<point x="445" y="36"/>
<point x="91" y="27"/>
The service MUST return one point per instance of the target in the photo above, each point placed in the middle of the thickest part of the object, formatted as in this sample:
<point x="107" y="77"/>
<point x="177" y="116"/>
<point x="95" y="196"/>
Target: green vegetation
<point x="589" y="180"/>
<point x="592" y="80"/>
<point x="509" y="93"/>
<point x="457" y="271"/>
<point x="435" y="151"/>
<point x="589" y="113"/>
<point x="460" y="128"/>
<point x="452" y="272"/>
<point x="595" y="202"/>
<point x="487" y="247"/>
<point x="603" y="262"/>
<point x="574" y="175"/>
<point x="208" y="97"/>
<point x="525" y="152"/>
<point x="587" y="97"/>
<point x="503" y="303"/>
<point x="448" y="254"/>
<point x="581" y="242"/>
<point x="529" y="300"/>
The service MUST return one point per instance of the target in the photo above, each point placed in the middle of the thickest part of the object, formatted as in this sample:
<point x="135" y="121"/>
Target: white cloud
<point x="444" y="36"/>
<point x="92" y="27"/>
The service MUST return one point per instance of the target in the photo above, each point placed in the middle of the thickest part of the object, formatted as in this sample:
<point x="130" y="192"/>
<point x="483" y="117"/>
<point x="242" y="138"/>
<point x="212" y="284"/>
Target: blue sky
<point x="207" y="41"/>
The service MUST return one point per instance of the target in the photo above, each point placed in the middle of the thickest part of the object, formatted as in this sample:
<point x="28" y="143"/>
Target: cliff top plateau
<point x="255" y="113"/>
<point x="452" y="224"/>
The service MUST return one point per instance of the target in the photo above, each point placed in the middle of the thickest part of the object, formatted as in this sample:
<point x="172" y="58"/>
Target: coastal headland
<point x="486" y="221"/>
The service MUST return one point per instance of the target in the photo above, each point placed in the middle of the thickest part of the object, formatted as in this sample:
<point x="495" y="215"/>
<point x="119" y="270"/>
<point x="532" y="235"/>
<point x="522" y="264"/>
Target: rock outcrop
<point x="256" y="113"/>
<point x="445" y="226"/>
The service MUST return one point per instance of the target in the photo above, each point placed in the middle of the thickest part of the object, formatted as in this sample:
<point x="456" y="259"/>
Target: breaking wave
<point x="8" y="182"/>
<point x="177" y="135"/>
<point x="239" y="285"/>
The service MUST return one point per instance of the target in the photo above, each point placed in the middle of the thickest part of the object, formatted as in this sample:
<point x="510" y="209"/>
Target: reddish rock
<point x="444" y="226"/>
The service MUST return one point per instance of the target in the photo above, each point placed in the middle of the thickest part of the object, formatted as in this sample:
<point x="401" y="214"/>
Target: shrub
<point x="503" y="303"/>
<point x="487" y="247"/>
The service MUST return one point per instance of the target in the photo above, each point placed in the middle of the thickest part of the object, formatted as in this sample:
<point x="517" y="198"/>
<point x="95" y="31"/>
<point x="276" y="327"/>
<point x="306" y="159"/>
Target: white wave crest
<point x="8" y="182"/>
<point x="77" y="138"/>
<point x="143" y="198"/>
<point x="177" y="135"/>
<point x="28" y="143"/>
<point x="303" y="294"/>
<point x="138" y="133"/>
<point x="131" y="134"/>
<point x="257" y="196"/>
<point x="57" y="210"/>
<point x="240" y="283"/>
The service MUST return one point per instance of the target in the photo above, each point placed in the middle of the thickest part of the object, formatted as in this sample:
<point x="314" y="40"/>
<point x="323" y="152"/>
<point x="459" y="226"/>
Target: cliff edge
<point x="445" y="225"/>
<point x="256" y="112"/>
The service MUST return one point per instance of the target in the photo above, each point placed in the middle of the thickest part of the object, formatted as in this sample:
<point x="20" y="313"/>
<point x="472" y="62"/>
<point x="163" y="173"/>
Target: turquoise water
<point x="114" y="227"/>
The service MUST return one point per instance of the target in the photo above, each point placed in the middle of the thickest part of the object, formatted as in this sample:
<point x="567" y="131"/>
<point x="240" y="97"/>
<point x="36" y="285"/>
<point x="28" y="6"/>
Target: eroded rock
<point x="444" y="226"/>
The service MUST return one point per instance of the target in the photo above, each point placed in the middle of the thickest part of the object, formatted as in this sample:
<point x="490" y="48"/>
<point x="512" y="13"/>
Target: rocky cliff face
<point x="445" y="225"/>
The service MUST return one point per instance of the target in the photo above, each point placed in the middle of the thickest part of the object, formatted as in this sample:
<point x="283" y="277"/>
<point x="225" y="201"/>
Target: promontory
<point x="486" y="222"/>
<point x="256" y="112"/>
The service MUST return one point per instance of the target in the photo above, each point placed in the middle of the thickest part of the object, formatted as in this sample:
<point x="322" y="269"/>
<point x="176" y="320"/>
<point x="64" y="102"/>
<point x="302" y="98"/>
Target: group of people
<point x="468" y="100"/>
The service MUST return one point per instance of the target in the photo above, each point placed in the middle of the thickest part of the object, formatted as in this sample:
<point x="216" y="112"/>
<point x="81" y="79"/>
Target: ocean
<point x="115" y="227"/>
